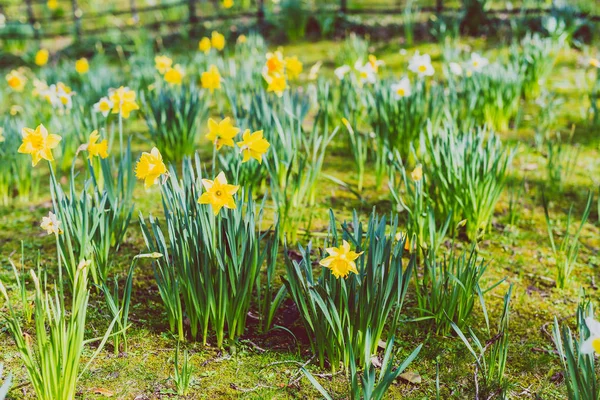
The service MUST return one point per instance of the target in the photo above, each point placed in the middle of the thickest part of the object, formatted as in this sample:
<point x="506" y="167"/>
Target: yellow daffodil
<point x="82" y="66"/>
<point x="204" y="45"/>
<point x="150" y="167"/>
<point x="95" y="148"/>
<point x="123" y="100"/>
<point x="242" y="39"/>
<point x="174" y="75"/>
<point x="293" y="67"/>
<point x="217" y="40"/>
<point x="341" y="260"/>
<point x="211" y="79"/>
<point x="16" y="80"/>
<point x="51" y="224"/>
<point x="253" y="145"/>
<point x="52" y="4"/>
<point x="218" y="193"/>
<point x="276" y="84"/>
<point x="221" y="133"/>
<point x="162" y="63"/>
<point x="104" y="106"/>
<point x="275" y="64"/>
<point x="417" y="173"/>
<point x="41" y="57"/>
<point x="403" y="236"/>
<point x="594" y="62"/>
<point x="227" y="3"/>
<point x="38" y="143"/>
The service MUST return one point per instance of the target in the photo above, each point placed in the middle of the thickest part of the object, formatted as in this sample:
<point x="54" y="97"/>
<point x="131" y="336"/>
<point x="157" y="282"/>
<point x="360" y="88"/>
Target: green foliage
<point x="567" y="251"/>
<point x="369" y="385"/>
<point x="578" y="367"/>
<point x="216" y="268"/>
<point x="182" y="377"/>
<point x="337" y="312"/>
<point x="5" y="383"/>
<point x="53" y="356"/>
<point x="467" y="173"/>
<point x="490" y="356"/>
<point x="172" y="116"/>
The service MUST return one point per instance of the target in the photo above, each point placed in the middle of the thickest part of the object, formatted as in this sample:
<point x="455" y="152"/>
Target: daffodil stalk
<point x="578" y="366"/>
<point x="52" y="359"/>
<point x="491" y="354"/>
<point x="183" y="376"/>
<point x="534" y="57"/>
<point x="359" y="146"/>
<point x="355" y="291"/>
<point x="567" y="251"/>
<point x="466" y="173"/>
<point x="215" y="272"/>
<point x="365" y="382"/>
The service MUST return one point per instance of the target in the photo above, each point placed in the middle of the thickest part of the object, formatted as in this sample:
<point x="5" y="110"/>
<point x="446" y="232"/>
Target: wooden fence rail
<point x="79" y="23"/>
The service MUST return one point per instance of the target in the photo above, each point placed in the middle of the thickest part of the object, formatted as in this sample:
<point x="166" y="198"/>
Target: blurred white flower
<point x="402" y="88"/>
<point x="421" y="64"/>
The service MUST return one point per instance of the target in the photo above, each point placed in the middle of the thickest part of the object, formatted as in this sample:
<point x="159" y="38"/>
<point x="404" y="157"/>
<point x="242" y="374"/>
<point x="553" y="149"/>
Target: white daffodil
<point x="455" y="68"/>
<point x="592" y="344"/>
<point x="421" y="64"/>
<point x="340" y="72"/>
<point x="366" y="73"/>
<point x="51" y="224"/>
<point x="402" y="89"/>
<point x="478" y="62"/>
<point x="103" y="106"/>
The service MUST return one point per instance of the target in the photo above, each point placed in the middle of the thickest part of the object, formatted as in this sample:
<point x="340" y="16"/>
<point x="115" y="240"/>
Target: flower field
<point x="228" y="214"/>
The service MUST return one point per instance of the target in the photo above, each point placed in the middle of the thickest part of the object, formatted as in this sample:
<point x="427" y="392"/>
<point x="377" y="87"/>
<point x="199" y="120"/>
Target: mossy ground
<point x="267" y="366"/>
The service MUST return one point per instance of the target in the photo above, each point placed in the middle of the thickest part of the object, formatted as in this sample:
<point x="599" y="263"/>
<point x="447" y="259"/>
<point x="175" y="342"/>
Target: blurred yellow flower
<point x="274" y="64"/>
<point x="162" y="63"/>
<point x="341" y="260"/>
<point x="104" y="106"/>
<point x="16" y="80"/>
<point x="15" y="109"/>
<point x="276" y="84"/>
<point x="417" y="173"/>
<point x="95" y="148"/>
<point x="39" y="144"/>
<point x="41" y="57"/>
<point x="221" y="133"/>
<point x="174" y="75"/>
<point x="293" y="67"/>
<point x="253" y="145"/>
<point x="218" y="193"/>
<point x="217" y="40"/>
<point x="204" y="45"/>
<point x="227" y="3"/>
<point x="150" y="167"/>
<point x="123" y="100"/>
<point x="52" y="4"/>
<point x="51" y="224"/>
<point x="375" y="63"/>
<point x="242" y="39"/>
<point x="594" y="62"/>
<point x="211" y="79"/>
<point x="82" y="66"/>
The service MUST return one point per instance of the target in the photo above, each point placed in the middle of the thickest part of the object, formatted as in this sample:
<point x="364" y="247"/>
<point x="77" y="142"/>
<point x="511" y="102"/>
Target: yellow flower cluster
<point x="252" y="145"/>
<point x="216" y="41"/>
<point x="278" y="70"/>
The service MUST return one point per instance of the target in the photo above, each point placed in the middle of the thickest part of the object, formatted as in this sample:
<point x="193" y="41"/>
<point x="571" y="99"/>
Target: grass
<point x="268" y="366"/>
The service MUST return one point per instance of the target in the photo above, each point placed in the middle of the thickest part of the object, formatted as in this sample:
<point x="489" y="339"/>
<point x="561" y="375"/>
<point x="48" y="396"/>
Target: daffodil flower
<point x="39" y="144"/>
<point x="592" y="344"/>
<point x="421" y="65"/>
<point x="104" y="106"/>
<point x="341" y="260"/>
<point x="253" y="145"/>
<point x="401" y="89"/>
<point x="218" y="193"/>
<point x="51" y="224"/>
<point x="150" y="167"/>
<point x="211" y="79"/>
<point x="221" y="133"/>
